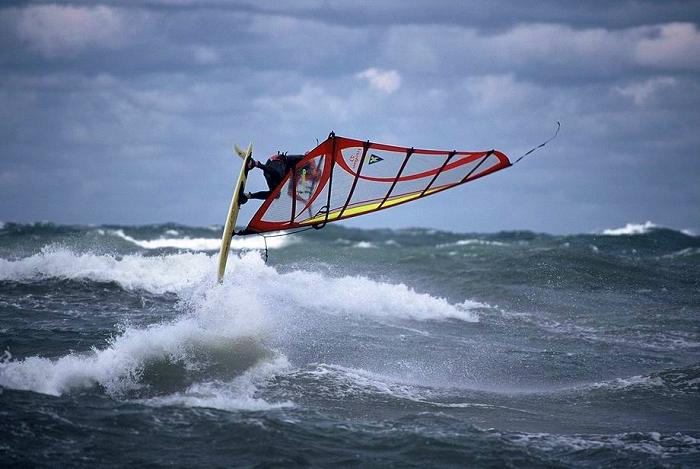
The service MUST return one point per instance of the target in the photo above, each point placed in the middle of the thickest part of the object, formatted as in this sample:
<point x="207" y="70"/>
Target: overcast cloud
<point x="126" y="112"/>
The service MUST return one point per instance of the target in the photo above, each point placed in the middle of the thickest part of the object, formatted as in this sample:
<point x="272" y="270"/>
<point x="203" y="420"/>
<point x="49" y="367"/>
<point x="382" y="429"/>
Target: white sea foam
<point x="633" y="381"/>
<point x="472" y="242"/>
<point x="156" y="274"/>
<point x="364" y="245"/>
<point x="471" y="304"/>
<point x="179" y="273"/>
<point x="466" y="242"/>
<point x="202" y="244"/>
<point x="211" y="320"/>
<point x="653" y="443"/>
<point x="239" y="393"/>
<point x="119" y="366"/>
<point x="362" y="297"/>
<point x="353" y="382"/>
<point x="631" y="229"/>
<point x="213" y="317"/>
<point x="341" y="382"/>
<point x="682" y="253"/>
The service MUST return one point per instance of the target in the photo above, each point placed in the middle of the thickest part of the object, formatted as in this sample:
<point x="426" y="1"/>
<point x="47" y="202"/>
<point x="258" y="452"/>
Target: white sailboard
<point x="233" y="210"/>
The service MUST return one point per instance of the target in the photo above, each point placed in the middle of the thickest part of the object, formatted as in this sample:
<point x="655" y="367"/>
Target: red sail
<point x="343" y="178"/>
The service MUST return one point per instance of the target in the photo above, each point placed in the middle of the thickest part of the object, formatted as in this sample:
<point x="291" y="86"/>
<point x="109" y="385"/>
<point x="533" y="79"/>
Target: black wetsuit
<point x="275" y="169"/>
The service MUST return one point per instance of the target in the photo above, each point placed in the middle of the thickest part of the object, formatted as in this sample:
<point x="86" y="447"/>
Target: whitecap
<point x="182" y="272"/>
<point x="655" y="443"/>
<point x="353" y="382"/>
<point x="204" y="244"/>
<point x="211" y="321"/>
<point x="156" y="274"/>
<point x="471" y="242"/>
<point x="119" y="366"/>
<point x="682" y="253"/>
<point x="633" y="381"/>
<point x="237" y="394"/>
<point x="364" y="245"/>
<point x="631" y="229"/>
<point x="359" y="296"/>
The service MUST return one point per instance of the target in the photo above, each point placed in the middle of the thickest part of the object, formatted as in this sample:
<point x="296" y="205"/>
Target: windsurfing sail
<point x="343" y="178"/>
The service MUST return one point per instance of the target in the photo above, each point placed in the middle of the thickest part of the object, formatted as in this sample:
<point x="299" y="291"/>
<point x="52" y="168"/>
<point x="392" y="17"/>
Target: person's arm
<point x="265" y="168"/>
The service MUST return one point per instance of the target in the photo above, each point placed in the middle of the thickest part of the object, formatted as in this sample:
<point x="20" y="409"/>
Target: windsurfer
<point x="274" y="170"/>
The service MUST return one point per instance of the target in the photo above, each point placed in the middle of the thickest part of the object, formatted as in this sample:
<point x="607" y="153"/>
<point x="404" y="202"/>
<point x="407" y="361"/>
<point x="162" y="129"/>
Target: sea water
<point x="404" y="348"/>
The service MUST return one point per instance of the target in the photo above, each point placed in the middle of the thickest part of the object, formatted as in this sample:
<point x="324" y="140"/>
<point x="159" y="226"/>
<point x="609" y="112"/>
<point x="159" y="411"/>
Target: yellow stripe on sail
<point x="365" y="208"/>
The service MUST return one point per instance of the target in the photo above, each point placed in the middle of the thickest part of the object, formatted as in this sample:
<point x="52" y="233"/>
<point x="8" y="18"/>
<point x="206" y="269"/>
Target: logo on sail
<point x="374" y="159"/>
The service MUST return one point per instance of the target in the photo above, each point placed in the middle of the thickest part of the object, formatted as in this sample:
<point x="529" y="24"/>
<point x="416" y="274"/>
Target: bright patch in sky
<point x="387" y="81"/>
<point x="63" y="30"/>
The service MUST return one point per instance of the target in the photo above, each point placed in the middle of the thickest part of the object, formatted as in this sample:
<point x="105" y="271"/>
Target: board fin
<point x="243" y="153"/>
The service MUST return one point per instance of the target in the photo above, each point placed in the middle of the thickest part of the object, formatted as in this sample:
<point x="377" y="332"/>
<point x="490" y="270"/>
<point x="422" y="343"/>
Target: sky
<point x="126" y="112"/>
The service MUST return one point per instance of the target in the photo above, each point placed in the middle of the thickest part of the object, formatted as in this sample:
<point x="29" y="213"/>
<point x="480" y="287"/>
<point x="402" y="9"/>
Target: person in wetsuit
<point x="274" y="170"/>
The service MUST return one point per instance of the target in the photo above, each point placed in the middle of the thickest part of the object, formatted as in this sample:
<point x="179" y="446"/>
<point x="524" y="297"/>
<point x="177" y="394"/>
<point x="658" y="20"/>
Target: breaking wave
<point x="235" y="394"/>
<point x="471" y="242"/>
<point x="211" y="329"/>
<point x="631" y="229"/>
<point x="180" y="272"/>
<point x="199" y="244"/>
<point x="155" y="274"/>
<point x="672" y="381"/>
<point x="213" y="319"/>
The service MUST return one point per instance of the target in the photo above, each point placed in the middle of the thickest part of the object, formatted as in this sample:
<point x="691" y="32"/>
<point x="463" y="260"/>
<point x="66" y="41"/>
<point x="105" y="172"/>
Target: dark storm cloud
<point x="484" y="14"/>
<point x="125" y="112"/>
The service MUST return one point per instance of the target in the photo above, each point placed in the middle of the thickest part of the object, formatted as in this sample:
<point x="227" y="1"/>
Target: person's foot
<point x="251" y="163"/>
<point x="243" y="198"/>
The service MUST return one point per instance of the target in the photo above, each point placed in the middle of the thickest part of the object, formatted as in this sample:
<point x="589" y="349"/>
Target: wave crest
<point x="180" y="273"/>
<point x="155" y="274"/>
<point x="198" y="244"/>
<point x="631" y="229"/>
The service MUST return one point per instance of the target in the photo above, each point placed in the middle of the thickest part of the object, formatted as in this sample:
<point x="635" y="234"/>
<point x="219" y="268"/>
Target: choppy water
<point x="406" y="348"/>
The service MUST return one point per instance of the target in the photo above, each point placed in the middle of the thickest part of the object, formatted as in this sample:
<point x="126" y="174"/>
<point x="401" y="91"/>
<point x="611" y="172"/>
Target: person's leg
<point x="260" y="195"/>
<point x="273" y="172"/>
<point x="245" y="196"/>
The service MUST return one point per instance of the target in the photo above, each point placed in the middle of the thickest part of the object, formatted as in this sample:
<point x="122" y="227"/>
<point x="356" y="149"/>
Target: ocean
<point x="349" y="347"/>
